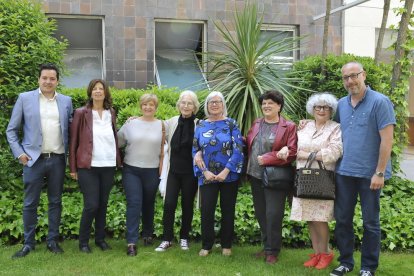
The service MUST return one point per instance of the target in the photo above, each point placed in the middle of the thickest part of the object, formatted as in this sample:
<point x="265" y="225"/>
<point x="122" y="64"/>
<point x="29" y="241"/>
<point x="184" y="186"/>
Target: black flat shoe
<point x="103" y="245"/>
<point x="132" y="250"/>
<point x="54" y="247"/>
<point x="22" y="252"/>
<point x="85" y="248"/>
<point x="147" y="241"/>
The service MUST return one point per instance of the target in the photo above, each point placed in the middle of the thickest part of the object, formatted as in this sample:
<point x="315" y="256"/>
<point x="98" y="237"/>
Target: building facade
<point x="122" y="40"/>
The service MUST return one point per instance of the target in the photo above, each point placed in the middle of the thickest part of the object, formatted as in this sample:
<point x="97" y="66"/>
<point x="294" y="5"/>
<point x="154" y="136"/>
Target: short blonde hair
<point x="208" y="99"/>
<point x="145" y="98"/>
<point x="324" y="98"/>
<point x="193" y="98"/>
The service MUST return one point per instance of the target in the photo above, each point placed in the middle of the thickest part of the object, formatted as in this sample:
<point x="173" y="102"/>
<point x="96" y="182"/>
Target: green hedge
<point x="396" y="218"/>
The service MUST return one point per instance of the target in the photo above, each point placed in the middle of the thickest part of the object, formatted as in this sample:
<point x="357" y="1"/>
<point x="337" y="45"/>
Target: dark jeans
<point x="140" y="186"/>
<point x="187" y="184"/>
<point x="209" y="195"/>
<point x="347" y="190"/>
<point x="53" y="171"/>
<point x="269" y="209"/>
<point x="95" y="184"/>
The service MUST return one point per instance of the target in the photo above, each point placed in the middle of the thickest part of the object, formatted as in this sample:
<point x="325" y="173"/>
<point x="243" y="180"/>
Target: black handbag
<point x="276" y="177"/>
<point x="314" y="183"/>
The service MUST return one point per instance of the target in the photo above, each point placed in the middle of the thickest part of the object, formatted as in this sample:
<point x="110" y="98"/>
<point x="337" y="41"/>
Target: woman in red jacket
<point x="271" y="141"/>
<point x="93" y="158"/>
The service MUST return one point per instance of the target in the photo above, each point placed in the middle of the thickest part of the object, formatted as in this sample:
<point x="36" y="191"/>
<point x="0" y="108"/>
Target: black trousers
<point x="187" y="184"/>
<point x="269" y="209"/>
<point x="95" y="184"/>
<point x="209" y="197"/>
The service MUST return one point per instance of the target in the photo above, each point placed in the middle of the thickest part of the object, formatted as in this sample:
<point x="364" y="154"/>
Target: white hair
<point x="361" y="68"/>
<point x="193" y="98"/>
<point x="208" y="99"/>
<point x="324" y="98"/>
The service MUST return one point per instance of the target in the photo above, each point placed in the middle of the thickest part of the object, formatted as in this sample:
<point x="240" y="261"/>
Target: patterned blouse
<point x="221" y="145"/>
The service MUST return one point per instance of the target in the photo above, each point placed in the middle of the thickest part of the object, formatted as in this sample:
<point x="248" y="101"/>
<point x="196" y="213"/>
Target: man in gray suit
<point x="44" y="115"/>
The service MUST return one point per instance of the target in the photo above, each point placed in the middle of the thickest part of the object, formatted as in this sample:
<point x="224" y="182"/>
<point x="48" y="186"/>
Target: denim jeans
<point x="95" y="184"/>
<point x="347" y="190"/>
<point x="140" y="186"/>
<point x="53" y="171"/>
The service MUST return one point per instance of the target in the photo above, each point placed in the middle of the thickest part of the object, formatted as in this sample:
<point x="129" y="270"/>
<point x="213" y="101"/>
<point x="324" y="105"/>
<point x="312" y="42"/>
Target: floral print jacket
<point x="221" y="145"/>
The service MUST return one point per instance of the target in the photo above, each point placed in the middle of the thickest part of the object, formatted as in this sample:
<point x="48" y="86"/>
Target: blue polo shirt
<point x="360" y="126"/>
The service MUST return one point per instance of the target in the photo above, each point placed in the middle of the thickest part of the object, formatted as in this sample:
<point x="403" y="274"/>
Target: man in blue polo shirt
<point x="367" y="122"/>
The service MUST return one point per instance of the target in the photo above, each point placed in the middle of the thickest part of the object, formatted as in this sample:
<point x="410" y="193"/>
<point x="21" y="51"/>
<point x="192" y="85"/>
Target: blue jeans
<point x="347" y="190"/>
<point x="53" y="171"/>
<point x="140" y="186"/>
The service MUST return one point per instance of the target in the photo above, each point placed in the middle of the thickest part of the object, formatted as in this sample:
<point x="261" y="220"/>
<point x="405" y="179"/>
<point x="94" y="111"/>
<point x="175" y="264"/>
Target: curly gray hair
<point x="324" y="98"/>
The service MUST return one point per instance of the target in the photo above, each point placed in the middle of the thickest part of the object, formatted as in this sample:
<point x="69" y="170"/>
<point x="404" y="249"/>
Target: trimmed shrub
<point x="25" y="42"/>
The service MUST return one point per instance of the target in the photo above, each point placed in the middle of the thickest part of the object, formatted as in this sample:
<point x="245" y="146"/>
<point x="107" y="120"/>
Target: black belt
<point x="50" y="154"/>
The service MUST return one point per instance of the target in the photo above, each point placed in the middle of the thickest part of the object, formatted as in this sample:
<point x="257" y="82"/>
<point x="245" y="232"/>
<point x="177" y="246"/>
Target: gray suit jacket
<point x="26" y="114"/>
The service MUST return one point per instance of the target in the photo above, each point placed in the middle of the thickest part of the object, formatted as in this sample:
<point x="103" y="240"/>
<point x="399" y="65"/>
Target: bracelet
<point x="204" y="170"/>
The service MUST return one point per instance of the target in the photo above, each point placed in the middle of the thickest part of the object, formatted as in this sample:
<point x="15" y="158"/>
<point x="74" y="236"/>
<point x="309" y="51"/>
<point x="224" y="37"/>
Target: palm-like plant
<point x="246" y="68"/>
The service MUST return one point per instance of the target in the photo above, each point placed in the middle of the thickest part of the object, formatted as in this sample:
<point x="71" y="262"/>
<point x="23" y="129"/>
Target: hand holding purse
<point x="276" y="177"/>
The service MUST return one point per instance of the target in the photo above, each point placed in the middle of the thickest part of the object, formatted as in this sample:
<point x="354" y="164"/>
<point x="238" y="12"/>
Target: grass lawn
<point x="175" y="262"/>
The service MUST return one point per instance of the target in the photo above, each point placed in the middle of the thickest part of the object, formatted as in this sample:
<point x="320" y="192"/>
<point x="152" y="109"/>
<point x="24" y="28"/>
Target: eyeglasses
<point x="352" y="76"/>
<point x="321" y="107"/>
<point x="215" y="102"/>
<point x="189" y="104"/>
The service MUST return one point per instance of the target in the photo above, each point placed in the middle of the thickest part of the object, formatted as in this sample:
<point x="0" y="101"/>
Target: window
<point x="177" y="63"/>
<point x="278" y="32"/>
<point x="84" y="55"/>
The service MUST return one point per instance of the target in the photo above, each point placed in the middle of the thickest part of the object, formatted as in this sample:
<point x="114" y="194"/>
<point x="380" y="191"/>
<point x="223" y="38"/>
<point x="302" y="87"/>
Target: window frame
<point x="204" y="43"/>
<point x="284" y="28"/>
<point x="94" y="17"/>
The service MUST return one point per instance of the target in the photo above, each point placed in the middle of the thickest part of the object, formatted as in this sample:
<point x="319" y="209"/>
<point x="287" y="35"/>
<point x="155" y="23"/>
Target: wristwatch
<point x="379" y="174"/>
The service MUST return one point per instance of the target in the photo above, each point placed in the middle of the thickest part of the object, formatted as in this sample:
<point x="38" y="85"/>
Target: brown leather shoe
<point x="132" y="250"/>
<point x="271" y="259"/>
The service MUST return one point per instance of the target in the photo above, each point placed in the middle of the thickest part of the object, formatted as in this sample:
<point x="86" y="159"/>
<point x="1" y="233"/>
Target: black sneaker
<point x="366" y="273"/>
<point x="340" y="270"/>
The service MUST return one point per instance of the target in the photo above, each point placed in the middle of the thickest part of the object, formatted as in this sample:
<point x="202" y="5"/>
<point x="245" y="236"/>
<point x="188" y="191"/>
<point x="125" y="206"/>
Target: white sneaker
<point x="184" y="244"/>
<point x="163" y="246"/>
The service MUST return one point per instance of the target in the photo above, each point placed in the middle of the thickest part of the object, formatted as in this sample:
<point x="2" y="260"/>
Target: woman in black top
<point x="180" y="171"/>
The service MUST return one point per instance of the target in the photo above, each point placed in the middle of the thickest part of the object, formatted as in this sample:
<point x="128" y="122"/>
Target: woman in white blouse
<point x="93" y="158"/>
<point x="141" y="137"/>
<point x="321" y="135"/>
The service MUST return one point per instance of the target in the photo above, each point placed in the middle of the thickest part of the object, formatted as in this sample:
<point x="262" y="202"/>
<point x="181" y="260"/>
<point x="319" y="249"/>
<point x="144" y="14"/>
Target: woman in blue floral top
<point x="218" y="156"/>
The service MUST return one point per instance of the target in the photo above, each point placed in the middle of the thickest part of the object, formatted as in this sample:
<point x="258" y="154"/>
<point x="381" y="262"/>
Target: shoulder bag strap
<point x="162" y="146"/>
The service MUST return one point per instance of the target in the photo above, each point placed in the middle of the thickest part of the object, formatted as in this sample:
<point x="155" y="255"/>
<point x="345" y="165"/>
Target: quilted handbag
<point x="318" y="183"/>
